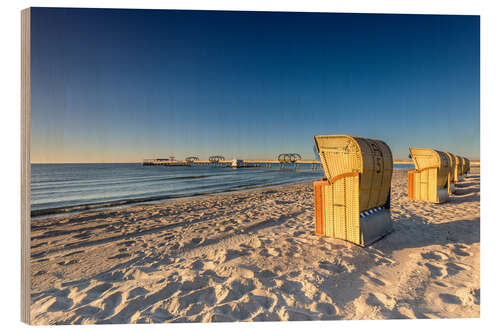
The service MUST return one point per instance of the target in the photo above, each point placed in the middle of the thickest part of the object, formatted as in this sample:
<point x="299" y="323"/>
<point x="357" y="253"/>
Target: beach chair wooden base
<point x="334" y="219"/>
<point x="422" y="186"/>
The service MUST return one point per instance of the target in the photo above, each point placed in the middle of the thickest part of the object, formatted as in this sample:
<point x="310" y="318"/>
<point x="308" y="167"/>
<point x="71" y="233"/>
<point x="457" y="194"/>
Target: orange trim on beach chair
<point x="410" y="184"/>
<point x="318" y="207"/>
<point x="344" y="175"/>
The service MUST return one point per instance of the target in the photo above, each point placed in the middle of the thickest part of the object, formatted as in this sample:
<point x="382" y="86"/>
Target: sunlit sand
<point x="253" y="256"/>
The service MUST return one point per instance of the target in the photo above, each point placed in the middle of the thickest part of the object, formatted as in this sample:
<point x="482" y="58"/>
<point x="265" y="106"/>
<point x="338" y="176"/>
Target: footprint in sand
<point x="437" y="271"/>
<point x="441" y="284"/>
<point x="327" y="310"/>
<point x="373" y="300"/>
<point x="67" y="263"/>
<point x="288" y="314"/>
<point x="453" y="268"/>
<point x="62" y="302"/>
<point x="214" y="276"/>
<point x="384" y="261"/>
<point x="435" y="255"/>
<point x="204" y="296"/>
<point x="110" y="303"/>
<point x="95" y="293"/>
<point x="266" y="278"/>
<point x="332" y="267"/>
<point x="229" y="254"/>
<point x="293" y="289"/>
<point x="221" y="314"/>
<point x="197" y="265"/>
<point x="459" y="250"/>
<point x="197" y="241"/>
<point x="237" y="289"/>
<point x="160" y="315"/>
<point x="386" y="306"/>
<point x="242" y="310"/>
<point x="450" y="299"/>
<point x="403" y="312"/>
<point x="138" y="291"/>
<point x="116" y="276"/>
<point x="87" y="311"/>
<point x="262" y="300"/>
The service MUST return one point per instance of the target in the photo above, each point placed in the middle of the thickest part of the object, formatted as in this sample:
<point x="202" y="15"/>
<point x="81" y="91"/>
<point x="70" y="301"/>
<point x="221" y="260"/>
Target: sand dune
<point x="253" y="256"/>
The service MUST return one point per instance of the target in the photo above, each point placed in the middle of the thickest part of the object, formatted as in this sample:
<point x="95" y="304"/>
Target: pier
<point x="291" y="160"/>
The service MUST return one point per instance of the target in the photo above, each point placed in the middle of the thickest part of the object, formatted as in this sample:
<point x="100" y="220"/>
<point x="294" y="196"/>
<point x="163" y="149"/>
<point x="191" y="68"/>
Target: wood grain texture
<point x="25" y="164"/>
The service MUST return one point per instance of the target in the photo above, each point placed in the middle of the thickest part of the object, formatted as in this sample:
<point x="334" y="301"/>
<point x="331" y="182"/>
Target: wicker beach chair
<point x="353" y="202"/>
<point x="461" y="168"/>
<point x="456" y="168"/>
<point x="467" y="166"/>
<point x="464" y="167"/>
<point x="452" y="169"/>
<point x="431" y="179"/>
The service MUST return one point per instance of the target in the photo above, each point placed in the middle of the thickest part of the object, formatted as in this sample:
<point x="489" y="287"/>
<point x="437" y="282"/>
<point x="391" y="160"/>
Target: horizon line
<point x="138" y="162"/>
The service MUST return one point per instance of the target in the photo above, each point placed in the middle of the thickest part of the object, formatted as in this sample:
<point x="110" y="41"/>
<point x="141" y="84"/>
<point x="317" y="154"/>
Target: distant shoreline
<point x="475" y="162"/>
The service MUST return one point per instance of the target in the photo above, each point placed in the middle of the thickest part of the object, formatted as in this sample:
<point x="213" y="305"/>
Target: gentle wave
<point x="107" y="182"/>
<point x="99" y="205"/>
<point x="61" y="188"/>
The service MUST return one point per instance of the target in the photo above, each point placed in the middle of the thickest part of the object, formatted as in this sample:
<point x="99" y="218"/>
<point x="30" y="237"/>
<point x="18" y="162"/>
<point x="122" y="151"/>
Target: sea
<point x="69" y="188"/>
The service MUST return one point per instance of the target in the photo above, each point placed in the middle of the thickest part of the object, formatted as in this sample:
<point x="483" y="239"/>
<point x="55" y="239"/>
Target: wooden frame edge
<point x="25" y="165"/>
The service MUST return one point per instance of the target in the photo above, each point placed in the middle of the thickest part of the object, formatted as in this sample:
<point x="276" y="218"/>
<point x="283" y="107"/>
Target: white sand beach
<point x="253" y="256"/>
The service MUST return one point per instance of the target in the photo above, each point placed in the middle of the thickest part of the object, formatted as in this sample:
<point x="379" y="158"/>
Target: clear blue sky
<point x="122" y="85"/>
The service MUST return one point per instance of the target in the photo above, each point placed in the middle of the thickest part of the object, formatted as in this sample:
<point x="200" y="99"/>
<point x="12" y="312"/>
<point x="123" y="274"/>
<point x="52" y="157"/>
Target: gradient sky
<point x="123" y="85"/>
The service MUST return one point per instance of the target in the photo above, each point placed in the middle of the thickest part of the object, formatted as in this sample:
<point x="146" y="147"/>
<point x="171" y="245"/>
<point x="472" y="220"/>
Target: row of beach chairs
<point x="435" y="174"/>
<point x="352" y="202"/>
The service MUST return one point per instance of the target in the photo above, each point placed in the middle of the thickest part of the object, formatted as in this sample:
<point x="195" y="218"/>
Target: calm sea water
<point x="60" y="188"/>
